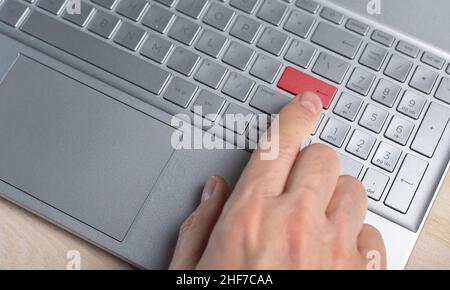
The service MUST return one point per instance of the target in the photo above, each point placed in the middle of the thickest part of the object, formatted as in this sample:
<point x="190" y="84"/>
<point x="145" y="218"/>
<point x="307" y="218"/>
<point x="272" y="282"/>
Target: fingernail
<point x="208" y="190"/>
<point x="311" y="102"/>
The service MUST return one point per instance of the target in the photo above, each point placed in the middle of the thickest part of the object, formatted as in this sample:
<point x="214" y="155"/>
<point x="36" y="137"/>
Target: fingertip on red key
<point x="297" y="82"/>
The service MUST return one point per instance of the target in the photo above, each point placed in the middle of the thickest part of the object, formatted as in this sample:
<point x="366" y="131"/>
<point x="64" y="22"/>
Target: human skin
<point x="293" y="212"/>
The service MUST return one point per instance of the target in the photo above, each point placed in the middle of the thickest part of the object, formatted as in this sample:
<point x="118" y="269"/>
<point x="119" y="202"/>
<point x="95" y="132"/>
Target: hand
<point x="294" y="212"/>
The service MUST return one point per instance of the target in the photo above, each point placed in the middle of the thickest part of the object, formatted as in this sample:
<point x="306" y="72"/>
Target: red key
<point x="296" y="82"/>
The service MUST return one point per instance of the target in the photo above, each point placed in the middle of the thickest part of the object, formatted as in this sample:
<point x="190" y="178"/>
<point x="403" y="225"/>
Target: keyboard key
<point x="375" y="183"/>
<point x="411" y="104"/>
<point x="335" y="132"/>
<point x="218" y="16"/>
<point x="272" y="41"/>
<point x="386" y="157"/>
<point x="168" y="3"/>
<point x="108" y="4"/>
<point x="407" y="49"/>
<point x="12" y="12"/>
<point x="308" y="5"/>
<point x="299" y="23"/>
<point x="361" y="144"/>
<point x="316" y="128"/>
<point x="52" y="6"/>
<point x="300" y="53"/>
<point x="129" y="36"/>
<point x="348" y="106"/>
<point x="238" y="86"/>
<point x="192" y="8"/>
<point x="406" y="183"/>
<point x="236" y="118"/>
<point x="357" y="27"/>
<point x="433" y="60"/>
<point x="332" y="15"/>
<point x="183" y="61"/>
<point x="443" y="91"/>
<point x="348" y="166"/>
<point x="399" y="130"/>
<point x="157" y="18"/>
<point x="337" y="40"/>
<point x="247" y="6"/>
<point x="132" y="9"/>
<point x="208" y="105"/>
<point x="156" y="48"/>
<point x="268" y="100"/>
<point x="266" y="68"/>
<point x="373" y="57"/>
<point x="423" y="80"/>
<point x="97" y="52"/>
<point x="238" y="56"/>
<point x="272" y="11"/>
<point x="430" y="131"/>
<point x="383" y="38"/>
<point x="210" y="74"/>
<point x="184" y="31"/>
<point x="245" y="29"/>
<point x="386" y="93"/>
<point x="211" y="43"/>
<point x="103" y="24"/>
<point x="361" y="81"/>
<point x="296" y="82"/>
<point x="80" y="19"/>
<point x="373" y="118"/>
<point x="398" y="68"/>
<point x="331" y="67"/>
<point x="180" y="92"/>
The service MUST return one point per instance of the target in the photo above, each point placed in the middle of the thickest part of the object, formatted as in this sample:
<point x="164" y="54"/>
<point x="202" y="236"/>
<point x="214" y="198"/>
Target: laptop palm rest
<point x="76" y="149"/>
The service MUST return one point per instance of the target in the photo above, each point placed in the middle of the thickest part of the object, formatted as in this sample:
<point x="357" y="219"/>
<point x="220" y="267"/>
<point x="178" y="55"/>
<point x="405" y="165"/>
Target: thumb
<point x="196" y="229"/>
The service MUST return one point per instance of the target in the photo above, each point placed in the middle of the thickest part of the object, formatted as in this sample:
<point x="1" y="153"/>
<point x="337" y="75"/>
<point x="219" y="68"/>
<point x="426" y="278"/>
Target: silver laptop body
<point x="87" y="100"/>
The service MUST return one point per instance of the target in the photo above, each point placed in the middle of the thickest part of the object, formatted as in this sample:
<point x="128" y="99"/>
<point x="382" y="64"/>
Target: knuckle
<point x="324" y="160"/>
<point x="354" y="188"/>
<point x="294" y="113"/>
<point x="188" y="224"/>
<point x="324" y="153"/>
<point x="307" y="195"/>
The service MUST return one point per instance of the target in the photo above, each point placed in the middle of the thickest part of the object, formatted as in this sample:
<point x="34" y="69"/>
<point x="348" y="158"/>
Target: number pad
<point x="398" y="68"/>
<point x="335" y="132"/>
<point x="361" y="81"/>
<point x="424" y="80"/>
<point x="373" y="118"/>
<point x="348" y="106"/>
<point x="361" y="144"/>
<point x="399" y="130"/>
<point x="386" y="157"/>
<point x="411" y="105"/>
<point x="386" y="93"/>
<point x="375" y="183"/>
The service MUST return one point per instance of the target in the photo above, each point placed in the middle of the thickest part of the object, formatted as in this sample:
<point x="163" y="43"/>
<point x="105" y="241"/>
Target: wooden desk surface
<point x="29" y="242"/>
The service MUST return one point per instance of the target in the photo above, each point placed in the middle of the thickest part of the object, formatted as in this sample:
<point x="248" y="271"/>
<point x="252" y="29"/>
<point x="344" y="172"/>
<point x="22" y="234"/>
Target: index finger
<point x="271" y="162"/>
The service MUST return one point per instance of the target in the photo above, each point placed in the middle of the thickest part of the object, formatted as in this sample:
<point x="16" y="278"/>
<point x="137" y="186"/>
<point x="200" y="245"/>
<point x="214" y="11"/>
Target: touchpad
<point x="77" y="149"/>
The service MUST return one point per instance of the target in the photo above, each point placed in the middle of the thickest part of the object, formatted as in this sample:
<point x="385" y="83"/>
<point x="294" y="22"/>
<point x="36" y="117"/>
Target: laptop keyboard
<point x="386" y="100"/>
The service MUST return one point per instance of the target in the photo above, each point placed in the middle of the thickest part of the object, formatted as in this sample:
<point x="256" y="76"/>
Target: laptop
<point x="92" y="94"/>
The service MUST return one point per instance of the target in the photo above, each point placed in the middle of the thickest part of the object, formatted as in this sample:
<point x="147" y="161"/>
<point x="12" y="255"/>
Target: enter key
<point x="406" y="183"/>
